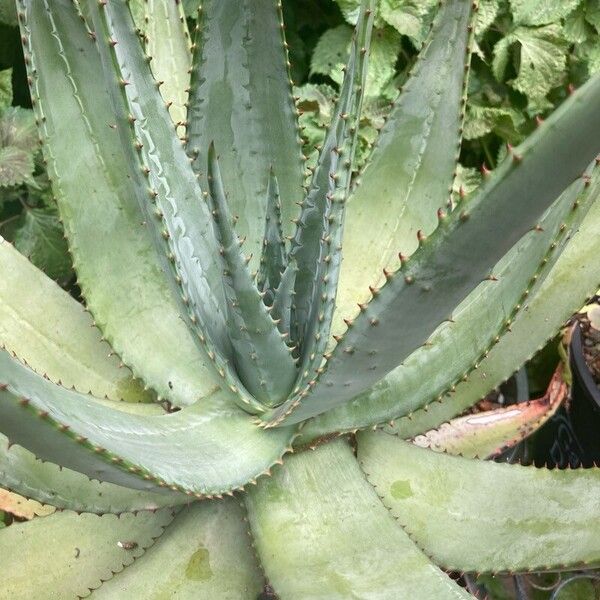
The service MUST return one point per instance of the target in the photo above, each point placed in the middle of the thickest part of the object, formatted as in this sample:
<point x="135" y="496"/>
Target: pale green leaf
<point x="504" y="122"/>
<point x="16" y="166"/>
<point x="118" y="268"/>
<point x="41" y="239"/>
<point x="576" y="28"/>
<point x="331" y="54"/>
<point x="396" y="198"/>
<point x="322" y="534"/>
<point x="541" y="61"/>
<point x="17" y="128"/>
<point x="137" y="12"/>
<point x="481" y="516"/>
<point x="52" y="485"/>
<point x="246" y="67"/>
<point x="486" y="13"/>
<point x="65" y="555"/>
<point x="409" y="17"/>
<point x="5" y="88"/>
<point x="205" y="553"/>
<point x="168" y="42"/>
<point x="541" y="12"/>
<point x="47" y="328"/>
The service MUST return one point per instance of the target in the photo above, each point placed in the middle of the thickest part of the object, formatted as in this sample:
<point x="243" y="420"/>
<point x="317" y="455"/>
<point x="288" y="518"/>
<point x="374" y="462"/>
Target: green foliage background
<point x="527" y="54"/>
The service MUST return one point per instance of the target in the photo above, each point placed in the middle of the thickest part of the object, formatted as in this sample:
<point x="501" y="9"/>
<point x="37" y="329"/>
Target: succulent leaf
<point x="238" y="349"/>
<point x="409" y="174"/>
<point x="69" y="555"/>
<point x="315" y="254"/>
<point x="487" y="433"/>
<point x="21" y="507"/>
<point x="273" y="258"/>
<point x="458" y="351"/>
<point x="138" y="451"/>
<point x="459" y="255"/>
<point x="45" y="482"/>
<point x="305" y="552"/>
<point x="205" y="553"/>
<point x="442" y="501"/>
<point x="241" y="99"/>
<point x="50" y="331"/>
<point x="262" y="358"/>
<point x="168" y="43"/>
<point x="166" y="187"/>
<point x="118" y="270"/>
<point x="283" y="309"/>
<point x="574" y="279"/>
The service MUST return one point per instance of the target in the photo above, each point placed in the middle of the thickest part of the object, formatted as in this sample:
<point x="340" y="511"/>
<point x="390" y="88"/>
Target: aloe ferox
<point x="231" y="405"/>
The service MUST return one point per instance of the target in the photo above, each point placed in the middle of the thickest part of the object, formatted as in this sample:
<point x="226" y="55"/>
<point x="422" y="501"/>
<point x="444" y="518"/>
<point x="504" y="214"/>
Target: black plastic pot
<point x="570" y="438"/>
<point x="585" y="404"/>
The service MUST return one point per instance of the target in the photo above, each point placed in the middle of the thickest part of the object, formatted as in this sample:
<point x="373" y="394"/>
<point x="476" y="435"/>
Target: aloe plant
<point x="191" y="420"/>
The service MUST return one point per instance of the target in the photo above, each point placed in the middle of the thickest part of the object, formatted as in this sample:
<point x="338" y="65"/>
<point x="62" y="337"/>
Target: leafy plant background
<point x="528" y="54"/>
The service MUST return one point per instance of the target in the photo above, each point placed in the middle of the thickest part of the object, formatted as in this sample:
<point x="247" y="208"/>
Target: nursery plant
<point x="232" y="405"/>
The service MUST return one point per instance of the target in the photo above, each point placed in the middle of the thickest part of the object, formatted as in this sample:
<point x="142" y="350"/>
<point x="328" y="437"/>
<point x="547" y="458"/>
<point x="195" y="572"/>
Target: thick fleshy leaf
<point x="261" y="355"/>
<point x="372" y="332"/>
<point x="410" y="172"/>
<point x="168" y="43"/>
<point x="570" y="283"/>
<point x="22" y="507"/>
<point x="457" y="348"/>
<point x="118" y="269"/>
<point x="472" y="515"/>
<point x="273" y="257"/>
<point x="316" y="247"/>
<point x="138" y="451"/>
<point x="66" y="555"/>
<point x="46" y="328"/>
<point x="47" y="483"/>
<point x="165" y="186"/>
<point x="321" y="532"/>
<point x="241" y="100"/>
<point x="487" y="433"/>
<point x="205" y="553"/>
